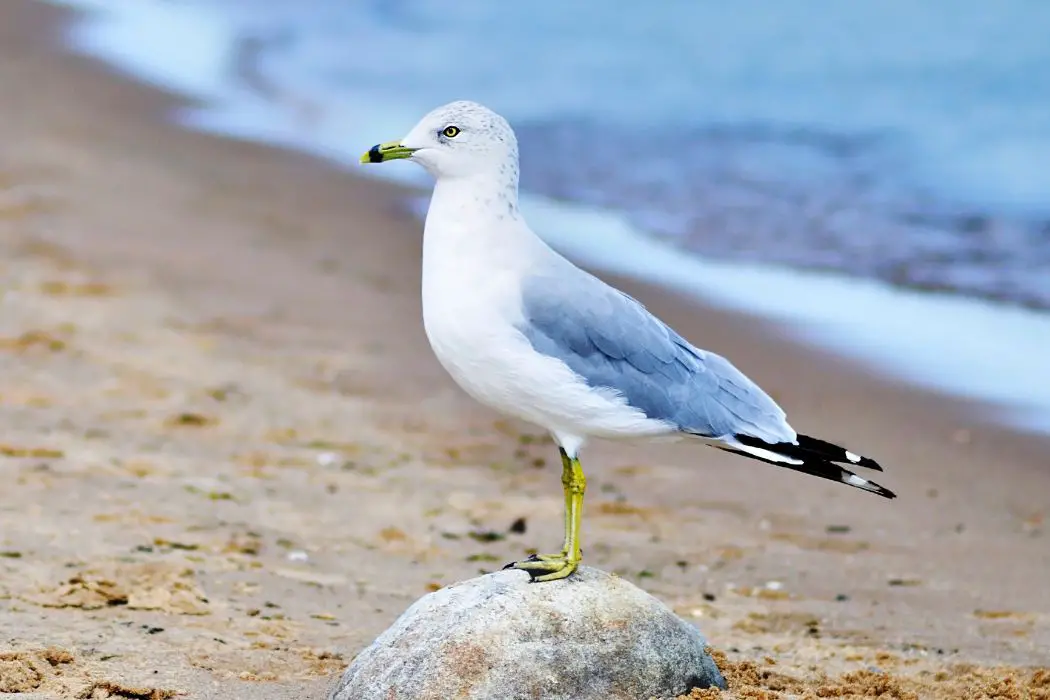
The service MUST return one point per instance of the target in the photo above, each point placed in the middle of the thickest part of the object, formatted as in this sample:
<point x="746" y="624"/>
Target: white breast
<point x="472" y="310"/>
<point x="471" y="305"/>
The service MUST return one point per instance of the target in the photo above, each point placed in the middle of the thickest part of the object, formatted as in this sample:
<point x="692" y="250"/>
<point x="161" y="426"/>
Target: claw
<point x="546" y="567"/>
<point x="551" y="567"/>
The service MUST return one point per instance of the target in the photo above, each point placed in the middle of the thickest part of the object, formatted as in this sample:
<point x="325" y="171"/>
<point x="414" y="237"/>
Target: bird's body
<point x="526" y="332"/>
<point x="474" y="310"/>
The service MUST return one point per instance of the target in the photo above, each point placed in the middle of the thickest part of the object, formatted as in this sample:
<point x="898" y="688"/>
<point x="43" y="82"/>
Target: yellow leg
<point x="551" y="567"/>
<point x="566" y="480"/>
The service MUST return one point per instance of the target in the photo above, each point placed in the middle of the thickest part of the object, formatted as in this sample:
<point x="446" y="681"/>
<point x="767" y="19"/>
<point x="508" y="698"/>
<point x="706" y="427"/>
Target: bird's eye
<point x="450" y="131"/>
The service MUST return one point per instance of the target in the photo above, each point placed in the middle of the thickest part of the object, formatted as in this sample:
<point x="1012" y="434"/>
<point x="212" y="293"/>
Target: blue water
<point x="900" y="140"/>
<point x="903" y="142"/>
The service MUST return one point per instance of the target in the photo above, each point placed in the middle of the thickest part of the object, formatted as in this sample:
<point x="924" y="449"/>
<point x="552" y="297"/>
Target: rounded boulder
<point x="499" y="636"/>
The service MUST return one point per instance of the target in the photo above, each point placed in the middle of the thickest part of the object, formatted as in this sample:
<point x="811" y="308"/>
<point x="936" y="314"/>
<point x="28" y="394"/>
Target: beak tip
<point x="372" y="155"/>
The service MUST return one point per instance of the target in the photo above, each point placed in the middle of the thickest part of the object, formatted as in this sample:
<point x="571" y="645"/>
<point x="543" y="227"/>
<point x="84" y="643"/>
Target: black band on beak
<point x="374" y="156"/>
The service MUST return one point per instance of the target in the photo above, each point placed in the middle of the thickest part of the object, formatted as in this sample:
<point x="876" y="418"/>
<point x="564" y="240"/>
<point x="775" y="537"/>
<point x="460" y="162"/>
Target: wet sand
<point x="230" y="459"/>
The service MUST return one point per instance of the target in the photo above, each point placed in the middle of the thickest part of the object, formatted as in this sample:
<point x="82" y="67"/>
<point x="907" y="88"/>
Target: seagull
<point x="524" y="331"/>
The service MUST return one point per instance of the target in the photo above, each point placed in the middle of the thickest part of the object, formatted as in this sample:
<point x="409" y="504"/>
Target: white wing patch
<point x="759" y="452"/>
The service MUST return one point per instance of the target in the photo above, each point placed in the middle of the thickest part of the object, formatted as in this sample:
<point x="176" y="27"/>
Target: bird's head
<point x="460" y="139"/>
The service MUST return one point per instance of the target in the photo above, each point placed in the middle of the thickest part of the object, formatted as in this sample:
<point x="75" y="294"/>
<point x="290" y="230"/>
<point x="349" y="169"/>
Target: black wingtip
<point x="829" y="470"/>
<point x="869" y="463"/>
<point x="834" y="453"/>
<point x="812" y="464"/>
<point x="878" y="490"/>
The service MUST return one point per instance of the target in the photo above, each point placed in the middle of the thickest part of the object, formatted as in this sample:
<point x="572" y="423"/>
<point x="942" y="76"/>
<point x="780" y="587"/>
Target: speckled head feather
<point x="465" y="139"/>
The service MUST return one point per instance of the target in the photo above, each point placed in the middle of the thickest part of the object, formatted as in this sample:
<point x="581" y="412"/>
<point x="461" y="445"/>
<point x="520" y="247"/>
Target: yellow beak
<point x="391" y="150"/>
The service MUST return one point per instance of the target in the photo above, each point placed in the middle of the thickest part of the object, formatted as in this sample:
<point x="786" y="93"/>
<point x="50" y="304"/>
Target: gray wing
<point x="612" y="341"/>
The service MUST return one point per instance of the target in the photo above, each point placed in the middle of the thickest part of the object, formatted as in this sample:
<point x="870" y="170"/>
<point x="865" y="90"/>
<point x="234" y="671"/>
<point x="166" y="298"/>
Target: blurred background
<point x="814" y="162"/>
<point x="898" y="140"/>
<point x="215" y="382"/>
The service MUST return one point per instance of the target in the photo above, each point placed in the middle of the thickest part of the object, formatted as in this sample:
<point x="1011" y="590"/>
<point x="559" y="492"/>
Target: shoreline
<point x="917" y="343"/>
<point x="230" y="266"/>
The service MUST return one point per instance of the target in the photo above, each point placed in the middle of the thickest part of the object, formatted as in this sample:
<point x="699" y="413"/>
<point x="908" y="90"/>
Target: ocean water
<point x="764" y="152"/>
<point x="891" y="139"/>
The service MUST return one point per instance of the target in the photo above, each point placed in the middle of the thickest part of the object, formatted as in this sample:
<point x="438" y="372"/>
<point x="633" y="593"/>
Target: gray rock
<point x="499" y="637"/>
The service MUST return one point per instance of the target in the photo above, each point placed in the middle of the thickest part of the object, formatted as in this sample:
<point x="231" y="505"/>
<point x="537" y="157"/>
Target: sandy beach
<point x="230" y="460"/>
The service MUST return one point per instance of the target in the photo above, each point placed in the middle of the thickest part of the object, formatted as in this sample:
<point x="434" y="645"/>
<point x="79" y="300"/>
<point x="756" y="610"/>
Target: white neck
<point x="478" y="194"/>
<point x="471" y="218"/>
<point x="475" y="244"/>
